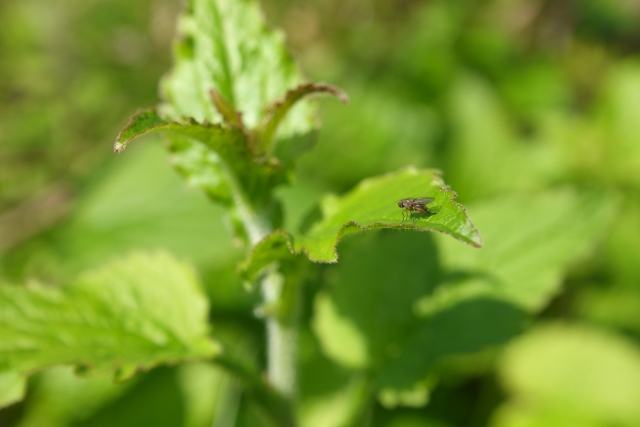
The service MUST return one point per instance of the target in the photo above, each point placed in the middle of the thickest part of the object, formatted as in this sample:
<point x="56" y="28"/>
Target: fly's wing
<point x="422" y="201"/>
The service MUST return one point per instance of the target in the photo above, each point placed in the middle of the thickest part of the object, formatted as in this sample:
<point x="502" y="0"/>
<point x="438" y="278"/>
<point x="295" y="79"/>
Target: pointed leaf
<point x="373" y="204"/>
<point x="226" y="46"/>
<point x="130" y="314"/>
<point x="217" y="158"/>
<point x="228" y="142"/>
<point x="277" y="112"/>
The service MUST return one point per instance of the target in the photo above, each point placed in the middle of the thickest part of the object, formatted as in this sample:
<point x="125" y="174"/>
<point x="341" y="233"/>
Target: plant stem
<point x="281" y="336"/>
<point x="282" y="325"/>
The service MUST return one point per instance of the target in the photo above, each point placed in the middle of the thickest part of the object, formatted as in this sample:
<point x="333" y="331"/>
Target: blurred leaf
<point x="535" y="89"/>
<point x="571" y="372"/>
<point x="414" y="421"/>
<point x="467" y="327"/>
<point x="366" y="319"/>
<point x="415" y="397"/>
<point x="367" y="313"/>
<point x="298" y="199"/>
<point x="341" y="338"/>
<point x="121" y="210"/>
<point x="380" y="132"/>
<point x="330" y="395"/>
<point x="622" y="261"/>
<point x="616" y="306"/>
<point x="54" y="397"/>
<point x="373" y="204"/>
<point x="12" y="388"/>
<point x="609" y="18"/>
<point x="426" y="55"/>
<point x="528" y="242"/>
<point x="154" y="400"/>
<point x="209" y="394"/>
<point x="618" y="115"/>
<point x="487" y="155"/>
<point x="131" y="314"/>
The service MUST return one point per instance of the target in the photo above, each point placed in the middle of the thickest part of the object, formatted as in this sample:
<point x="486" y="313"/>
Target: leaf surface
<point x="373" y="204"/>
<point x="226" y="46"/>
<point x="366" y="319"/>
<point x="563" y="374"/>
<point x="529" y="241"/>
<point x="12" y="387"/>
<point x="130" y="314"/>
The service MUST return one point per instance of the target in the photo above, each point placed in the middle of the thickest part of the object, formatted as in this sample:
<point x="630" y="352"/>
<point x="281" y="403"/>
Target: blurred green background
<point x="507" y="97"/>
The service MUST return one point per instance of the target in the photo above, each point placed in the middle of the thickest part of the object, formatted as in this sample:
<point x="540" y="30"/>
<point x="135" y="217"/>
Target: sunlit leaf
<point x="487" y="155"/>
<point x="54" y="395"/>
<point x="12" y="387"/>
<point x="559" y="372"/>
<point x="226" y="46"/>
<point x="372" y="205"/>
<point x="131" y="314"/>
<point x="529" y="240"/>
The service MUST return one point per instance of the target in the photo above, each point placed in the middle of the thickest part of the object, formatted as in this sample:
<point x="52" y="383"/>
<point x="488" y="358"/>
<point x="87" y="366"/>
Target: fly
<point x="418" y="205"/>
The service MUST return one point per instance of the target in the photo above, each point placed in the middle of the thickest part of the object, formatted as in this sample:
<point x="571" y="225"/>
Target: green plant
<point x="236" y="121"/>
<point x="381" y="329"/>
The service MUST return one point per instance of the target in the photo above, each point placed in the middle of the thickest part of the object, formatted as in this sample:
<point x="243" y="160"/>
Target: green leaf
<point x="155" y="399"/>
<point x="231" y="97"/>
<point x="384" y="132"/>
<point x="487" y="155"/>
<point x="230" y="144"/>
<point x="12" y="387"/>
<point x="54" y="395"/>
<point x="122" y="210"/>
<point x="210" y="393"/>
<point x="366" y="313"/>
<point x="614" y="306"/>
<point x="329" y="395"/>
<point x="218" y="158"/>
<point x="225" y="46"/>
<point x="621" y="151"/>
<point x="529" y="240"/>
<point x="227" y="142"/>
<point x="131" y="314"/>
<point x="277" y="112"/>
<point x="373" y="204"/>
<point x="625" y="233"/>
<point x="366" y="319"/>
<point x="466" y="327"/>
<point x="559" y="372"/>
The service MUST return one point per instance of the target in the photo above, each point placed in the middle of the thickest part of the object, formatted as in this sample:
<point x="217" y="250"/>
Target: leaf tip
<point x="476" y="241"/>
<point x="119" y="147"/>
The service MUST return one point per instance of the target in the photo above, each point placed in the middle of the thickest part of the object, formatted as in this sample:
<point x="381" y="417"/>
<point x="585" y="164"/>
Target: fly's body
<point x="418" y="205"/>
